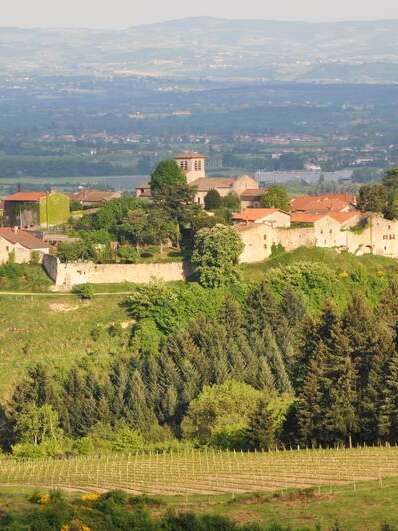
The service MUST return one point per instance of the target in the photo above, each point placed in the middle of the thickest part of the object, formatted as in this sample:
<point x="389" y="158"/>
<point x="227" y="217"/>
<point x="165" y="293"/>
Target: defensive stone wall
<point x="65" y="276"/>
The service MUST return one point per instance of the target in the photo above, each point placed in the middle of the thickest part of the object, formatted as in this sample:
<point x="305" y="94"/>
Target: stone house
<point x="251" y="198"/>
<point x="193" y="164"/>
<point x="91" y="198"/>
<point x="19" y="245"/>
<point x="332" y="230"/>
<point x="272" y="216"/>
<point x="36" y="209"/>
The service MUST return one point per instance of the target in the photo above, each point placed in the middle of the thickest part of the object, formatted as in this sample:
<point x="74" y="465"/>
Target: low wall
<point x="65" y="276"/>
<point x="293" y="238"/>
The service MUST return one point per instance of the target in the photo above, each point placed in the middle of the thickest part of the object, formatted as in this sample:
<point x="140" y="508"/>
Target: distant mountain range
<point x="211" y="48"/>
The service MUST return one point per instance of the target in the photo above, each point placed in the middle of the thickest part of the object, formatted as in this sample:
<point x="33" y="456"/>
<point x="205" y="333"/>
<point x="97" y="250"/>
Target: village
<point x="33" y="226"/>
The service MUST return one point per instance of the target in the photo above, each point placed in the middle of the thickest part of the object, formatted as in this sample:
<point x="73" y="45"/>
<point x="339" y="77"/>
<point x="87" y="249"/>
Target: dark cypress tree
<point x="265" y="378"/>
<point x="275" y="359"/>
<point x="387" y="309"/>
<point x="293" y="308"/>
<point x="168" y="389"/>
<point x="81" y="404"/>
<point x="310" y="404"/>
<point x="116" y="388"/>
<point x="388" y="416"/>
<point x="150" y="373"/>
<point x="136" y="411"/>
<point x="261" y="309"/>
<point x="260" y="432"/>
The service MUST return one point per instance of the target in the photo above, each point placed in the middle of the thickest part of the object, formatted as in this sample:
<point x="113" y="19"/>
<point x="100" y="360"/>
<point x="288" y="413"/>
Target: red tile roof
<point x="304" y="217"/>
<point x="325" y="202"/>
<point x="254" y="214"/>
<point x="344" y="216"/>
<point x="23" y="237"/>
<point x="26" y="196"/>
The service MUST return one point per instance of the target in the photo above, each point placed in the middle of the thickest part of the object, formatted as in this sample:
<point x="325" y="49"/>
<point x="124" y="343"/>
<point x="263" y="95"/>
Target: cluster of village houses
<point x="329" y="220"/>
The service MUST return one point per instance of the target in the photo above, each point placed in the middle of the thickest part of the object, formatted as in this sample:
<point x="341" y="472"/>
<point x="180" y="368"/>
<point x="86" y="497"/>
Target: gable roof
<point x="341" y="217"/>
<point x="204" y="184"/>
<point x="23" y="237"/>
<point x="305" y="217"/>
<point x="325" y="202"/>
<point x="94" y="196"/>
<point x="254" y="214"/>
<point x="26" y="196"/>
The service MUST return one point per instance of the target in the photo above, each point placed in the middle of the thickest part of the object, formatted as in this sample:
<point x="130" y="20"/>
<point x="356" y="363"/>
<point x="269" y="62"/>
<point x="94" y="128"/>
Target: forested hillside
<point x="301" y="354"/>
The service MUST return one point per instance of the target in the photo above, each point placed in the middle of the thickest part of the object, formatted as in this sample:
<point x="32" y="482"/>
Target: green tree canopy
<point x="167" y="173"/>
<point x="220" y="413"/>
<point x="216" y="255"/>
<point x="231" y="201"/>
<point x="373" y="198"/>
<point x="276" y="197"/>
<point x="212" y="200"/>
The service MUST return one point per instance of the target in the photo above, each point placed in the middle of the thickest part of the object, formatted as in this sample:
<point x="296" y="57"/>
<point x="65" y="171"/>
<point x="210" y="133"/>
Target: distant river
<point x="281" y="177"/>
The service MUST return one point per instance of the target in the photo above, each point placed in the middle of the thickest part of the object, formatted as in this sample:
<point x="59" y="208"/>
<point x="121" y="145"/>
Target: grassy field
<point x="357" y="488"/>
<point x="336" y="261"/>
<point x="56" y="330"/>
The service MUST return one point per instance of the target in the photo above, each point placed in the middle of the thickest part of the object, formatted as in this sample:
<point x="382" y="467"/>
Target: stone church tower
<point x="193" y="164"/>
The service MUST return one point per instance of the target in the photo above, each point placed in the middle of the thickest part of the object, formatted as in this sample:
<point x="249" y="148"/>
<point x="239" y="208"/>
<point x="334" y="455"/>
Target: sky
<point x="125" y="13"/>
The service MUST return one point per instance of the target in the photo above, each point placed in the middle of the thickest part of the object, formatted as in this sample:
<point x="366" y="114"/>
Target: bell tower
<point x="192" y="164"/>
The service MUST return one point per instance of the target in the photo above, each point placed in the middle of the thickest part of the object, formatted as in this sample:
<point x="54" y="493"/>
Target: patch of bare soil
<point x="62" y="307"/>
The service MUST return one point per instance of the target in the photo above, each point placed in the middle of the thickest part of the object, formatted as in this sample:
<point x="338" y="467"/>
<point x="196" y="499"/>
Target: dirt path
<point x="56" y="293"/>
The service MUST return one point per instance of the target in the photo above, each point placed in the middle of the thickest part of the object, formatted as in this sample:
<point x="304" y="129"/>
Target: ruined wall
<point x="293" y="238"/>
<point x="68" y="275"/>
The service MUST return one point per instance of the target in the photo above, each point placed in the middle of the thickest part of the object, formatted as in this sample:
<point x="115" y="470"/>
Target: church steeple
<point x="193" y="164"/>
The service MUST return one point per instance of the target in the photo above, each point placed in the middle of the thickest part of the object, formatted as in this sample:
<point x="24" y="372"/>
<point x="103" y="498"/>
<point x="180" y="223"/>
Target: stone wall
<point x="291" y="239"/>
<point x="65" y="276"/>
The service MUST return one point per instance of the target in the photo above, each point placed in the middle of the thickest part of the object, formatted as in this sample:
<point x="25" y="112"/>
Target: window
<point x="265" y="236"/>
<point x="330" y="231"/>
<point x="321" y="231"/>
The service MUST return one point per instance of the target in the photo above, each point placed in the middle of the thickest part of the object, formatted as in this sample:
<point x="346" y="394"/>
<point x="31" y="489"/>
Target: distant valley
<point x="213" y="49"/>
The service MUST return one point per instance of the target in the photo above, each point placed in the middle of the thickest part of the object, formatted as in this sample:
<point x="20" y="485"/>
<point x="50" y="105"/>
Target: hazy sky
<point x="123" y="13"/>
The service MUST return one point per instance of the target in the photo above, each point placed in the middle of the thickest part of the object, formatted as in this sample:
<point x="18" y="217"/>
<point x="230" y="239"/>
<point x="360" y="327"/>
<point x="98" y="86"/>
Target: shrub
<point x="84" y="291"/>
